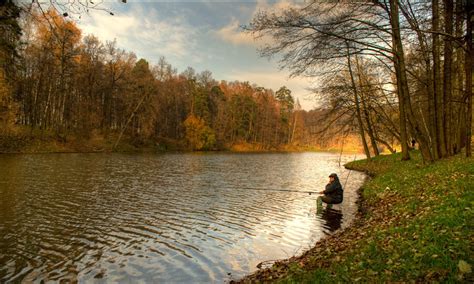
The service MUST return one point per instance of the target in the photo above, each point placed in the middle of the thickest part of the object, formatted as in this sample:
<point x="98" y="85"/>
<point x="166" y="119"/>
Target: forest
<point x="395" y="74"/>
<point x="60" y="85"/>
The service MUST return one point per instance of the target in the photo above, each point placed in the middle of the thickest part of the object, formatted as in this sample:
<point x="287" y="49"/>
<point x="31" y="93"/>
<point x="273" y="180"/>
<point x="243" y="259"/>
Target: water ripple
<point x="159" y="218"/>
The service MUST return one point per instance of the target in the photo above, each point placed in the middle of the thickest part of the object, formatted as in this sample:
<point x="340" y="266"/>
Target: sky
<point x="205" y="35"/>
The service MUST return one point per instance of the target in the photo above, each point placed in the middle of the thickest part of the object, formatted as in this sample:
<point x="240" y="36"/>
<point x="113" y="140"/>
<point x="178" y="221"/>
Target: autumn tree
<point x="9" y="40"/>
<point x="198" y="134"/>
<point x="313" y="39"/>
<point x="139" y="111"/>
<point x="90" y="85"/>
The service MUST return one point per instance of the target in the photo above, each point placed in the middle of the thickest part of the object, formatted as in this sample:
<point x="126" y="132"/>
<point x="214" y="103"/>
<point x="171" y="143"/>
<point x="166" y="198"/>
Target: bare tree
<point x="311" y="41"/>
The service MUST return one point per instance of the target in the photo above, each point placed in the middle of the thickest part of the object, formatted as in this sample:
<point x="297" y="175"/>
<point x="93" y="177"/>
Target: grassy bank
<point x="415" y="224"/>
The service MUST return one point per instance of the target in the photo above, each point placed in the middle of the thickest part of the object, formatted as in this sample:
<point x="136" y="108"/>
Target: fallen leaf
<point x="464" y="267"/>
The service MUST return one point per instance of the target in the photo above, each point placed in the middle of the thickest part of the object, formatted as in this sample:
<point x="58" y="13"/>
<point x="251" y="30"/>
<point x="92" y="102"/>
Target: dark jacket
<point x="334" y="190"/>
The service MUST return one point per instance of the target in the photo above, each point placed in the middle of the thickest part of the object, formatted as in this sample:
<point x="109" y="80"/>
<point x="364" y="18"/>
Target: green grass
<point x="416" y="225"/>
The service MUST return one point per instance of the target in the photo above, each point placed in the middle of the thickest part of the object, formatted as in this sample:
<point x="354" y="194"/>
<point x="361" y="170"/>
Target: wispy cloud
<point x="143" y="31"/>
<point x="105" y="26"/>
<point x="233" y="32"/>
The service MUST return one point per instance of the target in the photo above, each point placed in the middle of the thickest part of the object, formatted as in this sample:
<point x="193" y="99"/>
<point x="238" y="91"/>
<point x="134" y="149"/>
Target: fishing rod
<point x="350" y="170"/>
<point x="282" y="190"/>
<point x="298" y="191"/>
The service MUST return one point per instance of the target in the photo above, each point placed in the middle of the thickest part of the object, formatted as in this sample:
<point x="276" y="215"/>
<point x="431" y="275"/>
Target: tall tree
<point x="365" y="89"/>
<point x="287" y="104"/>
<point x="469" y="61"/>
<point x="357" y="105"/>
<point x="9" y="40"/>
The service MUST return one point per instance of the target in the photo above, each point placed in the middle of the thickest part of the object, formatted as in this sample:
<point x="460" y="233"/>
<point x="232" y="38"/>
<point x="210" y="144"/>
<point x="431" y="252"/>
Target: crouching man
<point x="333" y="194"/>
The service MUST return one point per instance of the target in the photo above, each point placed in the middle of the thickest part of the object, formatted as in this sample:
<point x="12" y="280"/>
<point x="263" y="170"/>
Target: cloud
<point x="105" y="26"/>
<point x="166" y="37"/>
<point x="144" y="32"/>
<point x="233" y="33"/>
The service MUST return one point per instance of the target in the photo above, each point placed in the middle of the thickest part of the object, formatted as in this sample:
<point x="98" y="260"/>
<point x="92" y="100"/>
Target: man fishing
<point x="333" y="194"/>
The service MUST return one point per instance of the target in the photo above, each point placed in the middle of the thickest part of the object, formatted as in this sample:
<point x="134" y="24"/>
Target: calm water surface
<point x="164" y="217"/>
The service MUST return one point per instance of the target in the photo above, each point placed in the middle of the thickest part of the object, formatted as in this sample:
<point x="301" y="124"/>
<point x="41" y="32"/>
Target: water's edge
<point x="322" y="244"/>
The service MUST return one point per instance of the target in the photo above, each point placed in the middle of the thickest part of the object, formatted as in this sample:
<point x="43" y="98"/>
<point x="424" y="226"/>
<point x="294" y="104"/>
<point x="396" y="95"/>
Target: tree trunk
<point x="401" y="98"/>
<point x="402" y="82"/>
<point x="468" y="68"/>
<point x="386" y="145"/>
<point x="447" y="83"/>
<point x="129" y="120"/>
<point x="458" y="105"/>
<point x="430" y="124"/>
<point x="356" y="100"/>
<point x="438" y="99"/>
<point x="370" y="130"/>
<point x="294" y="128"/>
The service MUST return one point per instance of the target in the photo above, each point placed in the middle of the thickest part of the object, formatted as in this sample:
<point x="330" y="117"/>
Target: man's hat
<point x="333" y="175"/>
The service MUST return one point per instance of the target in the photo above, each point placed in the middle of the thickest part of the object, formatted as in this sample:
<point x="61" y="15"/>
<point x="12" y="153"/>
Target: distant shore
<point x="29" y="144"/>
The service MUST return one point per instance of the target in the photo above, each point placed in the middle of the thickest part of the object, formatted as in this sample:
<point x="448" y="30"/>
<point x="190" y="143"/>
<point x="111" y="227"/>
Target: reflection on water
<point x="164" y="217"/>
<point x="332" y="219"/>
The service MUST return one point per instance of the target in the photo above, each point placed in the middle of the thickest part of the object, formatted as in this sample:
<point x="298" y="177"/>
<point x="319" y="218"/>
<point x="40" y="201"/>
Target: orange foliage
<point x="56" y="33"/>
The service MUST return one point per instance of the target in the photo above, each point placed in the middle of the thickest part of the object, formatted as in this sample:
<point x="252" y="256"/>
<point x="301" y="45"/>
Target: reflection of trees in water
<point x="333" y="219"/>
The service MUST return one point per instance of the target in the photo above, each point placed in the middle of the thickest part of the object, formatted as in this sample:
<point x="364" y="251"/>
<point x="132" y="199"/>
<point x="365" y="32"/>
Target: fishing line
<point x="350" y="170"/>
<point x="282" y="190"/>
<point x="296" y="191"/>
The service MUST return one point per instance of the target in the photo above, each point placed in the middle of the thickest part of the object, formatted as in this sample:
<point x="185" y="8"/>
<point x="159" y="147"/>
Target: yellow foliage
<point x="57" y="33"/>
<point x="198" y="134"/>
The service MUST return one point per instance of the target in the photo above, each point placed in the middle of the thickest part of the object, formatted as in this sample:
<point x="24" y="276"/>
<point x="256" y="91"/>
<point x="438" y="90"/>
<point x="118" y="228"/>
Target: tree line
<point x="399" y="69"/>
<point x="55" y="81"/>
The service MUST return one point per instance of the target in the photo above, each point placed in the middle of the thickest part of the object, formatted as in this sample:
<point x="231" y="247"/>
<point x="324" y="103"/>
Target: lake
<point x="174" y="217"/>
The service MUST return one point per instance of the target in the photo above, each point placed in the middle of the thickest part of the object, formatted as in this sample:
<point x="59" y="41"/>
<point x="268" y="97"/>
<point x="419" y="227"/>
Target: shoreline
<point x="176" y="151"/>
<point x="37" y="143"/>
<point x="406" y="228"/>
<point x="157" y="150"/>
<point x="272" y="273"/>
